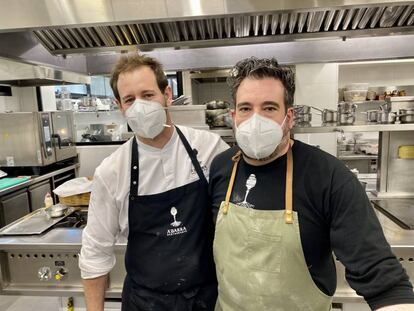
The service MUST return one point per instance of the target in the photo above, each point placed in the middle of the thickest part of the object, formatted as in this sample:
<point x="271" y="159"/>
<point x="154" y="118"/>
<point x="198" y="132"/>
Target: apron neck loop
<point x="288" y="192"/>
<point x="235" y="159"/>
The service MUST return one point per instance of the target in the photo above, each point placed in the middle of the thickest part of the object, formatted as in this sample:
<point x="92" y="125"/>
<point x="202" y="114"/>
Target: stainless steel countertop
<point x="37" y="179"/>
<point x="63" y="238"/>
<point x="70" y="238"/>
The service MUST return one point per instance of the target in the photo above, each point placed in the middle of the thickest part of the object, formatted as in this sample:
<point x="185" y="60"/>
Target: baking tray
<point x="34" y="223"/>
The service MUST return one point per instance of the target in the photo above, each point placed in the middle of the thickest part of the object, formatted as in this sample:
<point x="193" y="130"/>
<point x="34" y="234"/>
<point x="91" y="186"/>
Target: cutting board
<point x="7" y="182"/>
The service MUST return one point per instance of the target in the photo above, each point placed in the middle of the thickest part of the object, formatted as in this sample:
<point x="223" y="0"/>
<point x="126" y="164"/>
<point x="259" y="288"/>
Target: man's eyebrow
<point x="243" y="104"/>
<point x="125" y="97"/>
<point x="273" y="103"/>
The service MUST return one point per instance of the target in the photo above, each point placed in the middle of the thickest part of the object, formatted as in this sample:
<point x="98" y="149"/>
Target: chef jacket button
<point x="134" y="182"/>
<point x="135" y="167"/>
<point x="132" y="198"/>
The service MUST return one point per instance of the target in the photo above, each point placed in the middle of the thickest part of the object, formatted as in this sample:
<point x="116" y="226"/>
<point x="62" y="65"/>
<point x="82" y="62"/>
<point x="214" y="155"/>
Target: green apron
<point x="259" y="258"/>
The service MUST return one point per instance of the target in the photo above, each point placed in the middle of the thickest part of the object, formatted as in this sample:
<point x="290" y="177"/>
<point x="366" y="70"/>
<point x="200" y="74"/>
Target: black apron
<point x="169" y="260"/>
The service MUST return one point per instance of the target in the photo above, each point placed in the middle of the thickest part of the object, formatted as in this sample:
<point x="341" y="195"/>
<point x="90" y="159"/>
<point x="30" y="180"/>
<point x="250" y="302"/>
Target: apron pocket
<point x="264" y="251"/>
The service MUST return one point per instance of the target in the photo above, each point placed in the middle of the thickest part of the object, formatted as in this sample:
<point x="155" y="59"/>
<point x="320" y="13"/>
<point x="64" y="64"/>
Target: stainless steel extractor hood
<point x="22" y="74"/>
<point x="77" y="26"/>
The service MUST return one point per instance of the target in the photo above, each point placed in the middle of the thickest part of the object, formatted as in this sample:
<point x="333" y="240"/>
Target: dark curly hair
<point x="258" y="68"/>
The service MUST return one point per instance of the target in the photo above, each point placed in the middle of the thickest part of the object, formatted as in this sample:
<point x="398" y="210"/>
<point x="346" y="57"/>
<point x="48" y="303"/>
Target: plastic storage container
<point x="355" y="95"/>
<point x="357" y="86"/>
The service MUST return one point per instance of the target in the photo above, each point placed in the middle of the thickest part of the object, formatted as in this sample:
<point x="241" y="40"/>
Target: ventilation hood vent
<point x="21" y="74"/>
<point x="232" y="29"/>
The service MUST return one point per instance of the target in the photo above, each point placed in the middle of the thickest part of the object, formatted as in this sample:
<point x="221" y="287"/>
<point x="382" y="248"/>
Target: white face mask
<point x="258" y="137"/>
<point x="146" y="118"/>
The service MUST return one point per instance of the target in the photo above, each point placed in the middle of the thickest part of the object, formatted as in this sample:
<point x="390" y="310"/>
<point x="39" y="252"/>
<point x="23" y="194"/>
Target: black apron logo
<point x="175" y="224"/>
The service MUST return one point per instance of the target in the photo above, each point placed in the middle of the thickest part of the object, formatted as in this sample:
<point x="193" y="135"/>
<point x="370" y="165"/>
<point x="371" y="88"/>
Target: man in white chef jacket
<point x="152" y="190"/>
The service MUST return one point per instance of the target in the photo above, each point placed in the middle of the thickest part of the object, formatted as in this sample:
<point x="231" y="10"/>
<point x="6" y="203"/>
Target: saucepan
<point x="372" y="115"/>
<point x="346" y="118"/>
<point x="406" y="115"/>
<point x="302" y="109"/>
<point x="386" y="117"/>
<point x="328" y="115"/>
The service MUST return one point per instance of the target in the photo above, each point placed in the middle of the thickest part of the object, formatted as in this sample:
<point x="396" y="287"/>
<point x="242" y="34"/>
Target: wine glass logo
<point x="174" y="212"/>
<point x="250" y="183"/>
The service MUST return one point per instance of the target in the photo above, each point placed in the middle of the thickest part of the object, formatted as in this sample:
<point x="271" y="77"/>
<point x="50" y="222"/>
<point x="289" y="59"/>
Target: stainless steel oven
<point x="36" y="138"/>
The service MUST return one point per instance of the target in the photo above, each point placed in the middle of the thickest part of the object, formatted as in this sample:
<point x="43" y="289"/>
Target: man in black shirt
<point x="283" y="207"/>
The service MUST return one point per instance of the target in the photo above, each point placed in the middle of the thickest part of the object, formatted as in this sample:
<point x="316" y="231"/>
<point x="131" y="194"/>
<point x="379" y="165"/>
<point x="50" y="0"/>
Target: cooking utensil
<point x="346" y="107"/>
<point x="385" y="117"/>
<point x="371" y="115"/>
<point x="346" y="118"/>
<point x="57" y="210"/>
<point x="406" y="115"/>
<point x="302" y="109"/>
<point x="303" y="118"/>
<point x="328" y="115"/>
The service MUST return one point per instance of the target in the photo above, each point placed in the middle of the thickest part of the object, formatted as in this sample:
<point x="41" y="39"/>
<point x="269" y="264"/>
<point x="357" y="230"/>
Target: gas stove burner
<point x="77" y="219"/>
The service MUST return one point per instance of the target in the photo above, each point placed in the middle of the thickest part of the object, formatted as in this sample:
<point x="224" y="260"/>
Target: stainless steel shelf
<point x="358" y="157"/>
<point x="357" y="127"/>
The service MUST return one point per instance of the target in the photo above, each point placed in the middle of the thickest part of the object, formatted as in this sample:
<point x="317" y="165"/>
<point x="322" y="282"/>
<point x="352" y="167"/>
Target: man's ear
<point x="290" y="116"/>
<point x="168" y="95"/>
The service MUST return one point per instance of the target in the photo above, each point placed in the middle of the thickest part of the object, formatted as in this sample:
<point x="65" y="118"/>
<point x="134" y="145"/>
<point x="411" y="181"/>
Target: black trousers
<point x="141" y="299"/>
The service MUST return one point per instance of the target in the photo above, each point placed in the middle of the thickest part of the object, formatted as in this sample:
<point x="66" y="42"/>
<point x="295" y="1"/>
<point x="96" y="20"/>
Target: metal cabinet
<point x="14" y="206"/>
<point x="37" y="194"/>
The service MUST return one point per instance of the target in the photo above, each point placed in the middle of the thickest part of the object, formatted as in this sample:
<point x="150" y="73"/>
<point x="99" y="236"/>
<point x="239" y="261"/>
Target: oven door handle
<point x="58" y="139"/>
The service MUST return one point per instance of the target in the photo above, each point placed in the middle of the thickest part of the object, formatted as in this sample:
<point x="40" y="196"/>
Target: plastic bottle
<point x="48" y="200"/>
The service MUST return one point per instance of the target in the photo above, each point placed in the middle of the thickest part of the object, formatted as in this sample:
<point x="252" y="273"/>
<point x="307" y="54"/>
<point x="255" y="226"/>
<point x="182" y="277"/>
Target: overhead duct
<point x="21" y="74"/>
<point x="77" y="26"/>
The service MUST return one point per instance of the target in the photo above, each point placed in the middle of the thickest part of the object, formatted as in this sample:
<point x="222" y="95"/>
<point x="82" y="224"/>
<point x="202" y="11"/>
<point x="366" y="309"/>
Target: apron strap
<point x="236" y="159"/>
<point x="288" y="193"/>
<point x="134" y="166"/>
<point x="193" y="156"/>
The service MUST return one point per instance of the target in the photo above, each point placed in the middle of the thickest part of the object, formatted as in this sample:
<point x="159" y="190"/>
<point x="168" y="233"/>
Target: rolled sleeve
<point x="97" y="256"/>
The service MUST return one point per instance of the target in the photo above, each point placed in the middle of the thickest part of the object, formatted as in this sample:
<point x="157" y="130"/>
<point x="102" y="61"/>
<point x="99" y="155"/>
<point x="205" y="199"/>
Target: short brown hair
<point x="133" y="61"/>
<point x="259" y="68"/>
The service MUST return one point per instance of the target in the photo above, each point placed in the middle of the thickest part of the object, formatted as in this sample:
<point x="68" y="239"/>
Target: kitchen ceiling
<point x="115" y="25"/>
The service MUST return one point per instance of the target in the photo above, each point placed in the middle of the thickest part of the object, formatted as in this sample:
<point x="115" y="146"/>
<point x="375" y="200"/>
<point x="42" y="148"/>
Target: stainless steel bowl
<point x="329" y="116"/>
<point x="385" y="117"/>
<point x="346" y="118"/>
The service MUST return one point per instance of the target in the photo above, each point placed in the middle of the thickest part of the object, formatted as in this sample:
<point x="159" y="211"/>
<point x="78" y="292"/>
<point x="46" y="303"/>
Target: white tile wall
<point x="317" y="86"/>
<point x="22" y="99"/>
<point x="11" y="103"/>
<point x="377" y="74"/>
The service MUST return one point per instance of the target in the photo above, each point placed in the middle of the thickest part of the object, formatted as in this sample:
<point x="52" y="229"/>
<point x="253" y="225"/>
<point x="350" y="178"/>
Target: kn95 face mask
<point x="146" y="118"/>
<point x="258" y="137"/>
